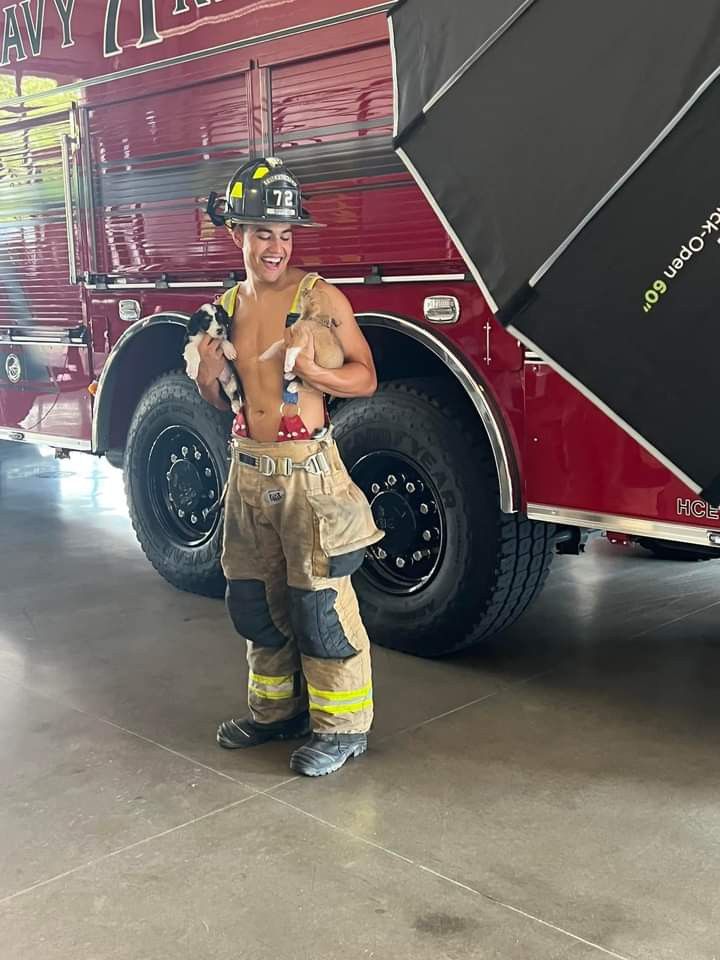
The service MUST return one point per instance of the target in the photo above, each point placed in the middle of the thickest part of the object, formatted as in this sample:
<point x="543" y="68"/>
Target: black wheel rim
<point x="406" y="504"/>
<point x="184" y="485"/>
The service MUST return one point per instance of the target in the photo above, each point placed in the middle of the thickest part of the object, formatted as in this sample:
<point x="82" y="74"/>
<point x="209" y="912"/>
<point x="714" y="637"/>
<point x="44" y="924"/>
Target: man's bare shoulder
<point x="335" y="298"/>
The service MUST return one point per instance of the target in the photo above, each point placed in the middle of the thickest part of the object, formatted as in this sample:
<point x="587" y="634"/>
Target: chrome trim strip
<point x="222" y="48"/>
<point x="501" y="448"/>
<point x="176" y="285"/>
<point x="635" y="526"/>
<point x="393" y="59"/>
<point x="538" y="275"/>
<point x="88" y="195"/>
<point x="446" y="223"/>
<point x="422" y="278"/>
<point x="66" y="144"/>
<point x="596" y="401"/>
<point x="73" y="336"/>
<point x="25" y="436"/>
<point x="168" y="319"/>
<point x="60" y="341"/>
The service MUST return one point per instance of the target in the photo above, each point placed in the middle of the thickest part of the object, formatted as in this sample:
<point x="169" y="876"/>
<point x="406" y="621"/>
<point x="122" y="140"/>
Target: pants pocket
<point x="344" y="526"/>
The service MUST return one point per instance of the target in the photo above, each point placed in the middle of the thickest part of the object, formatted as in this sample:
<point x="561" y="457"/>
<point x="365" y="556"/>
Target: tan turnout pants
<point x="291" y="544"/>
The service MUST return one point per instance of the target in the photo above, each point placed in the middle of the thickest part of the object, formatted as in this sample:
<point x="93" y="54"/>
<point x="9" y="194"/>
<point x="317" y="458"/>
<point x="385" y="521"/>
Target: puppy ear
<point x="200" y="320"/>
<point x="221" y="315"/>
<point x="194" y="324"/>
<point x="309" y="305"/>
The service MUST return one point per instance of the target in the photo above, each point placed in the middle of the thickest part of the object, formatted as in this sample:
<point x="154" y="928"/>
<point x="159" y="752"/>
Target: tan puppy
<point x="314" y="322"/>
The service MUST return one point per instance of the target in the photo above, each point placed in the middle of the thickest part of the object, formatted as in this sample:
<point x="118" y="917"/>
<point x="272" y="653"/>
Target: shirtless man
<point x="296" y="527"/>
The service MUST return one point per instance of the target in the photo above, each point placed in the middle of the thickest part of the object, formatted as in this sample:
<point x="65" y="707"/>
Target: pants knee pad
<point x="247" y="605"/>
<point x="317" y="626"/>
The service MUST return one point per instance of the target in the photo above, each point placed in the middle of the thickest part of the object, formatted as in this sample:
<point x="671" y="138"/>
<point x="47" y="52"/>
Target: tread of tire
<point x="206" y="587"/>
<point x="526" y="548"/>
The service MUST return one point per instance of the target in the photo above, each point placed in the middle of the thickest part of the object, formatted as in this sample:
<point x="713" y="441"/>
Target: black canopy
<point x="572" y="150"/>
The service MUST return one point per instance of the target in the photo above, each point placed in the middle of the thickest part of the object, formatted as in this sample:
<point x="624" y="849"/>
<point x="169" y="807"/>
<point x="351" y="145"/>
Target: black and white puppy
<point x="213" y="320"/>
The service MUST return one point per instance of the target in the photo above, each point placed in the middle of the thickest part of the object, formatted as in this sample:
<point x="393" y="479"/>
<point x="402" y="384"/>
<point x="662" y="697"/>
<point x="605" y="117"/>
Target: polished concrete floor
<point x="556" y="796"/>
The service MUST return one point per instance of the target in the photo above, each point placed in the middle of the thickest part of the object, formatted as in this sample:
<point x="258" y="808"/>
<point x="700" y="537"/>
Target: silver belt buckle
<point x="266" y="465"/>
<point x="284" y="466"/>
<point x="316" y="464"/>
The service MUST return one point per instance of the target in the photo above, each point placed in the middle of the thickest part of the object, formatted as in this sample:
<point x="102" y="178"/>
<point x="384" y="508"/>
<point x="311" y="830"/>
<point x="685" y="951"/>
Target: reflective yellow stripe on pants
<point x="271" y="688"/>
<point x="340" y="701"/>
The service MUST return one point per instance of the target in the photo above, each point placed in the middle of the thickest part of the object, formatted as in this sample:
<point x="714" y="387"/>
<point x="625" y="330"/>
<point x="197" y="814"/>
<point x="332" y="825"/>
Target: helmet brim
<point x="249" y="221"/>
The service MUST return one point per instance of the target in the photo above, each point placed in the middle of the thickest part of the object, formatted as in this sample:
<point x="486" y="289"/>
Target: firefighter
<point x="296" y="527"/>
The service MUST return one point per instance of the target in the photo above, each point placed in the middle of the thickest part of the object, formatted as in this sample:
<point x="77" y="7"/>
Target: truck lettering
<point x="697" y="509"/>
<point x="65" y="10"/>
<point x="12" y="38"/>
<point x="22" y="36"/>
<point x="181" y="6"/>
<point x="148" y="10"/>
<point x="34" y="26"/>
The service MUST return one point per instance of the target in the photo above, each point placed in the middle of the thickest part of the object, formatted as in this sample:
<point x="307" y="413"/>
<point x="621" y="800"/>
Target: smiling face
<point x="266" y="248"/>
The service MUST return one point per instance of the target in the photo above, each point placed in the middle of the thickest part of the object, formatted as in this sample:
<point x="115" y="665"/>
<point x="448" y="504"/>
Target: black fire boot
<point x="327" y="752"/>
<point x="236" y="734"/>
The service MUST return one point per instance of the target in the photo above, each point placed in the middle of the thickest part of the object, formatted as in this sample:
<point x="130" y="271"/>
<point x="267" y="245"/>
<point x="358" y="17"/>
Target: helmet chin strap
<point x="217" y="218"/>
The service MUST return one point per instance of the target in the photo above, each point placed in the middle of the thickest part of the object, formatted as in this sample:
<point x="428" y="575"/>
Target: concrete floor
<point x="553" y="797"/>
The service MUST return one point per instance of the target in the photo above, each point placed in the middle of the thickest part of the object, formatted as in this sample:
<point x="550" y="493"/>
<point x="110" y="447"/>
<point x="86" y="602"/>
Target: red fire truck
<point x="116" y="119"/>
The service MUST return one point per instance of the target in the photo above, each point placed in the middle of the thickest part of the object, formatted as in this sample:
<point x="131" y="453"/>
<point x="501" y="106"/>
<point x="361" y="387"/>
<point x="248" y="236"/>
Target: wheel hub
<point x="184" y="485"/>
<point x="407" y="507"/>
<point x="395" y="516"/>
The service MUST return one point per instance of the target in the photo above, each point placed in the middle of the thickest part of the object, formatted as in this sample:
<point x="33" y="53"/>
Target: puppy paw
<point x="229" y="351"/>
<point x="290" y="358"/>
<point x="273" y="350"/>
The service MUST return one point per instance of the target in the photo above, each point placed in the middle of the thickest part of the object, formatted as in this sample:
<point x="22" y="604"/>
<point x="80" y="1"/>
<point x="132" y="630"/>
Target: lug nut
<point x="421" y="555"/>
<point x="410" y="487"/>
<point x="173" y="458"/>
<point x="211" y="494"/>
<point x="208" y="472"/>
<point x="399" y="563"/>
<point x="424" y="509"/>
<point x="391" y="480"/>
<point x="181" y="513"/>
<point x="375" y="488"/>
<point x="198" y="455"/>
<point x="193" y="518"/>
<point x="427" y="536"/>
<point x="381" y="554"/>
<point x="184" y="451"/>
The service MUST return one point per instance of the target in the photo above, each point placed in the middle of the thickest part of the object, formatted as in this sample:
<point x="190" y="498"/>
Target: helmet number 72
<point x="283" y="198"/>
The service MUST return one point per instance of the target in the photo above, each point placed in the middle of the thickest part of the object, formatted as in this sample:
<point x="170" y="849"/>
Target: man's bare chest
<point x="256" y="327"/>
<point x="252" y="334"/>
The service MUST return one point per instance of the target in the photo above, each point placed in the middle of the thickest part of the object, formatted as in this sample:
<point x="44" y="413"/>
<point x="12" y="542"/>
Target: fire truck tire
<point x="664" y="550"/>
<point x="176" y="461"/>
<point x="427" y="468"/>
